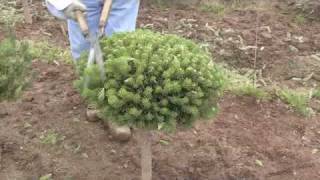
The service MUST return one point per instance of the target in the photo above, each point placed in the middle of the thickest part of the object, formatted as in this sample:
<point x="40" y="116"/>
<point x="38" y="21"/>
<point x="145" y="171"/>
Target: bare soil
<point x="230" y="147"/>
<point x="247" y="140"/>
<point x="286" y="50"/>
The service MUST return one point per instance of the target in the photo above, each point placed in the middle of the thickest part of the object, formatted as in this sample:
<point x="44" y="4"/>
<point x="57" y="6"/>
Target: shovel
<point x="95" y="53"/>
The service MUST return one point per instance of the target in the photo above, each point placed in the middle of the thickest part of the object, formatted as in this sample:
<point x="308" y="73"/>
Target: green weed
<point x="299" y="101"/>
<point x="9" y="15"/>
<point x="242" y="85"/>
<point x="50" y="138"/>
<point x="162" y="4"/>
<point x="300" y="19"/>
<point x="251" y="90"/>
<point x="46" y="52"/>
<point x="316" y="94"/>
<point x="46" y="177"/>
<point x="217" y="9"/>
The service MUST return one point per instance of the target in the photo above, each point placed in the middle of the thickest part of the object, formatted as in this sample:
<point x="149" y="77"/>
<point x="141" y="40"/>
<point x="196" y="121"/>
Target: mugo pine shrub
<point x="15" y="61"/>
<point x="153" y="80"/>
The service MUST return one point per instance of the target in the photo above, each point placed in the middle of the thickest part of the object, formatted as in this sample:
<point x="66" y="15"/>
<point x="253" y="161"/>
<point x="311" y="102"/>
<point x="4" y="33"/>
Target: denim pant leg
<point x="122" y="18"/>
<point x="77" y="41"/>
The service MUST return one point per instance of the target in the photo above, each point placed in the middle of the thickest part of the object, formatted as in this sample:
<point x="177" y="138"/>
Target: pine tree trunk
<point x="146" y="155"/>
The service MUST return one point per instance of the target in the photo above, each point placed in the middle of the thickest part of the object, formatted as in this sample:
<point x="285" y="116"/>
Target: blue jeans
<point x="122" y="18"/>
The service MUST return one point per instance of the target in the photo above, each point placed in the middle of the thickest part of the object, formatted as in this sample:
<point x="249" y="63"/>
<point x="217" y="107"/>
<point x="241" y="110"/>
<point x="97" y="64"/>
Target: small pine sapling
<point x="153" y="82"/>
<point x="15" y="61"/>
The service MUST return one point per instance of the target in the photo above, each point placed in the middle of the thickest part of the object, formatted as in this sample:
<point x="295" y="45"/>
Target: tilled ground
<point x="247" y="140"/>
<point x="287" y="52"/>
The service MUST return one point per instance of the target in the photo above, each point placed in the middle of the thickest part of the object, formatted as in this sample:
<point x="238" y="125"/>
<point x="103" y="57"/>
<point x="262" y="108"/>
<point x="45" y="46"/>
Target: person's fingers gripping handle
<point x="104" y="15"/>
<point x="81" y="18"/>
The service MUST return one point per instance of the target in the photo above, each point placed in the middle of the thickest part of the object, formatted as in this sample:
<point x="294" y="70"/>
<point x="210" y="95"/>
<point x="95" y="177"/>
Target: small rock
<point x="314" y="151"/>
<point x="92" y="115"/>
<point x="76" y="119"/>
<point x="113" y="151"/>
<point x="300" y="39"/>
<point x="315" y="57"/>
<point x="125" y="165"/>
<point x="259" y="163"/>
<point x="3" y="113"/>
<point x="27" y="125"/>
<point x="266" y="35"/>
<point x="120" y="133"/>
<point x="191" y="170"/>
<point x="29" y="113"/>
<point x="85" y="155"/>
<point x="190" y="145"/>
<point x="28" y="98"/>
<point x="293" y="49"/>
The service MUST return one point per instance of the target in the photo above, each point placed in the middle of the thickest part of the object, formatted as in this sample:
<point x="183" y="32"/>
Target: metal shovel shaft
<point x="95" y="53"/>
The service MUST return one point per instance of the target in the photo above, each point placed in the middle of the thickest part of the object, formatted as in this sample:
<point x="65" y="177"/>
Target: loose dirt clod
<point x="92" y="115"/>
<point x="120" y="133"/>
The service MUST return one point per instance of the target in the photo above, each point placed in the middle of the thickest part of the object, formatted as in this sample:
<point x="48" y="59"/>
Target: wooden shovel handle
<point x="82" y="23"/>
<point x="104" y="15"/>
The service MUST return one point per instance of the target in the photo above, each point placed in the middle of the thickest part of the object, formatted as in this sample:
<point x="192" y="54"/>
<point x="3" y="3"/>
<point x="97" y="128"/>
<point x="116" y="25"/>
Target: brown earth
<point x="231" y="146"/>
<point x="288" y="52"/>
<point x="282" y="43"/>
<point x="247" y="140"/>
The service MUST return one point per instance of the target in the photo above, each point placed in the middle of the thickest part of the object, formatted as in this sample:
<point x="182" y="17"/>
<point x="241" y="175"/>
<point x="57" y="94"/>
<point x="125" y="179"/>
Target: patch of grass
<point x="242" y="85"/>
<point x="9" y="15"/>
<point x="300" y="19"/>
<point x="50" y="138"/>
<point x="162" y="4"/>
<point x="46" y="177"/>
<point x="44" y="51"/>
<point x="215" y="8"/>
<point x="299" y="101"/>
<point x="316" y="94"/>
<point x="251" y="90"/>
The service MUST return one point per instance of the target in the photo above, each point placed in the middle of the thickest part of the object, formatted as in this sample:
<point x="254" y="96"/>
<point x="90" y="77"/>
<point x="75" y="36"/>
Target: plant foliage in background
<point x="15" y="61"/>
<point x="297" y="100"/>
<point x="153" y="80"/>
<point x="9" y="15"/>
<point x="305" y="9"/>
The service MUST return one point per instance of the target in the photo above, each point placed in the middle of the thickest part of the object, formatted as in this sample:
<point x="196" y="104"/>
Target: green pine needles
<point x="152" y="80"/>
<point x="15" y="61"/>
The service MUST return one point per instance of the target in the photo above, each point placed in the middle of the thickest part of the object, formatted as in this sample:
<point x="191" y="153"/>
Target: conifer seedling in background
<point x="15" y="66"/>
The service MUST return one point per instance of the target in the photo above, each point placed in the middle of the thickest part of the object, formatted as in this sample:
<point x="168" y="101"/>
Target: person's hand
<point x="76" y="5"/>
